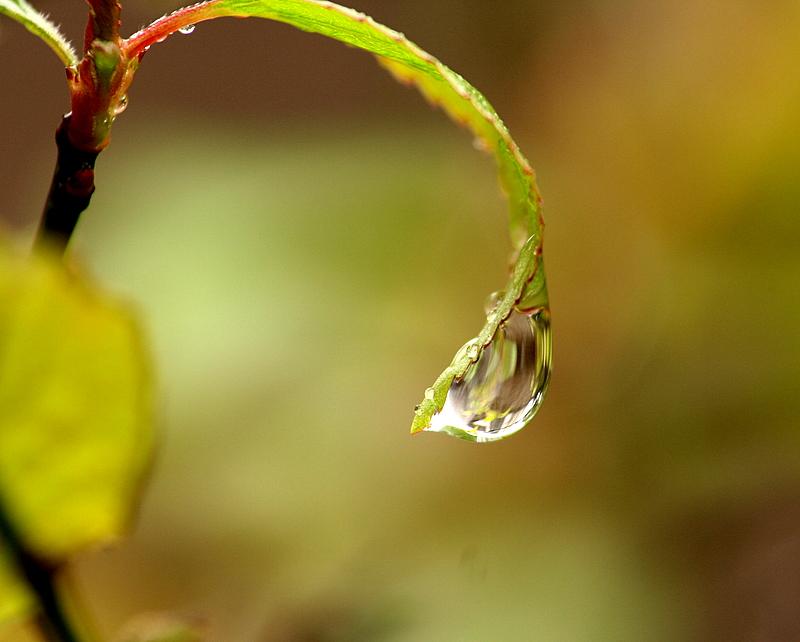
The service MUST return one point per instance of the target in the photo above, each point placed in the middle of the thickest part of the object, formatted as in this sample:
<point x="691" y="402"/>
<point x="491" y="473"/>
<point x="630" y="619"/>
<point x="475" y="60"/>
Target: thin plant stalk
<point x="41" y="577"/>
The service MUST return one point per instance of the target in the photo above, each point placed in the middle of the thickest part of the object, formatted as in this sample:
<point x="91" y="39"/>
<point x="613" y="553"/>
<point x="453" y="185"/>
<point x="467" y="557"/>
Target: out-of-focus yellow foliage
<point x="75" y="418"/>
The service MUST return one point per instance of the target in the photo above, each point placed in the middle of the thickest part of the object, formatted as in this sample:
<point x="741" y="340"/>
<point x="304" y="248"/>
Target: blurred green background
<point x="309" y="243"/>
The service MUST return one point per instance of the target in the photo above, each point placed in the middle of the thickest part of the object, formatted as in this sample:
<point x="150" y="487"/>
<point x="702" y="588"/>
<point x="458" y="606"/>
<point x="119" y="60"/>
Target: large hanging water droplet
<point x="501" y="392"/>
<point x="187" y="29"/>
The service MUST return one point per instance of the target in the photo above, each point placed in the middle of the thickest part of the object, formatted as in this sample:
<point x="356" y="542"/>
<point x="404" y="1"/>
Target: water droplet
<point x="501" y="392"/>
<point x="429" y="393"/>
<point x="480" y="144"/>
<point x="122" y="105"/>
<point x="473" y="351"/>
<point x="187" y="29"/>
<point x="492" y="301"/>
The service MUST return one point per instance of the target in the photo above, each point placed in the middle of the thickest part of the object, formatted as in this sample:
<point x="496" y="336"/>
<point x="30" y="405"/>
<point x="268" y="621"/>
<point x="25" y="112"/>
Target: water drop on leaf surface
<point x="187" y="29"/>
<point x="501" y="392"/>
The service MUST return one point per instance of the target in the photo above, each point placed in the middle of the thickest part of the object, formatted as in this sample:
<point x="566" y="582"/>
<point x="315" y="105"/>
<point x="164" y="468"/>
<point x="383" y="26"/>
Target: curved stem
<point x="140" y="41"/>
<point x="70" y="191"/>
<point x="40" y="576"/>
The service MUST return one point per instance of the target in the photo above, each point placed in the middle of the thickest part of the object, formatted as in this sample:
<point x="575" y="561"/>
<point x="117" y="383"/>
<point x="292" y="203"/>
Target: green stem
<point x="41" y="576"/>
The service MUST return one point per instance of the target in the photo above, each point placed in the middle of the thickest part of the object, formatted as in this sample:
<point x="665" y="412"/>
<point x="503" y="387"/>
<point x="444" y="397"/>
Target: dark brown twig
<point x="70" y="191"/>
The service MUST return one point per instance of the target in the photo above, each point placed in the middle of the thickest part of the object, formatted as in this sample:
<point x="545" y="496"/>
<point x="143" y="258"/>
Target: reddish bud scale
<point x="99" y="82"/>
<point x="97" y="88"/>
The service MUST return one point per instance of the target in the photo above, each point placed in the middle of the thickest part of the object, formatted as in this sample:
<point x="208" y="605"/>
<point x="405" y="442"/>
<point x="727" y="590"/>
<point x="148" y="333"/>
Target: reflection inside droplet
<point x="501" y="392"/>
<point x="187" y="29"/>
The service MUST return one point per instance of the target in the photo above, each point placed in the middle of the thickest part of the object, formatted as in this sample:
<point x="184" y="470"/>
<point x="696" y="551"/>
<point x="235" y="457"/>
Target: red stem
<point x="104" y="21"/>
<point x="157" y="31"/>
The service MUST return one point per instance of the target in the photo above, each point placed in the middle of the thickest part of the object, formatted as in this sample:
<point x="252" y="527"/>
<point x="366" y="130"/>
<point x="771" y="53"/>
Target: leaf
<point x="75" y="408"/>
<point x="525" y="272"/>
<point x="39" y="25"/>
<point x="441" y="86"/>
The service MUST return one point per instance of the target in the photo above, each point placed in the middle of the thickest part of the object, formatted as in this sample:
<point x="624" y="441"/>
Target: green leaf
<point x="75" y="408"/>
<point x="39" y="25"/>
<point x="522" y="283"/>
<point x="442" y="87"/>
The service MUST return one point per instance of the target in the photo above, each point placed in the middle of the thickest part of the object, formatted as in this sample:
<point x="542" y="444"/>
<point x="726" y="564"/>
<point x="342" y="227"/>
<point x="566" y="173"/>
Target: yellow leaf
<point x="75" y="408"/>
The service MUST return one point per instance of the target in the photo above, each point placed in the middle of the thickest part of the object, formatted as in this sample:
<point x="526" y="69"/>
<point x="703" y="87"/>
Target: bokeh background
<point x="308" y="243"/>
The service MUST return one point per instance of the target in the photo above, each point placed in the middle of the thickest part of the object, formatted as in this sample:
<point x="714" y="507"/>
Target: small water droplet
<point x="429" y="393"/>
<point x="122" y="105"/>
<point x="187" y="29"/>
<point x="501" y="392"/>
<point x="473" y="351"/>
<point x="480" y="144"/>
<point x="492" y="301"/>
